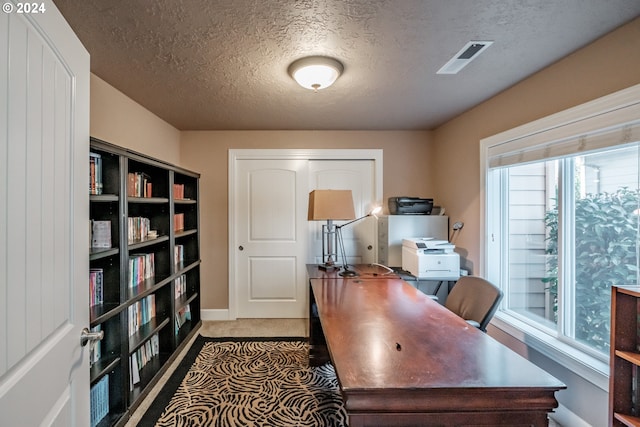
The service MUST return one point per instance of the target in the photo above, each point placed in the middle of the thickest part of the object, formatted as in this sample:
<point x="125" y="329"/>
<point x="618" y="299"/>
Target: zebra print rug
<point x="248" y="382"/>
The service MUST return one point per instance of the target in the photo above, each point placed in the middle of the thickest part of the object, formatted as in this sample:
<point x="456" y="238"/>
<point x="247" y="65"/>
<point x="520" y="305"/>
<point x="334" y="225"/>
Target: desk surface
<point x="395" y="349"/>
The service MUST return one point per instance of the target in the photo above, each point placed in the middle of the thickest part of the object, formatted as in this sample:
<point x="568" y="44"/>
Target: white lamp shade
<point x="315" y="72"/>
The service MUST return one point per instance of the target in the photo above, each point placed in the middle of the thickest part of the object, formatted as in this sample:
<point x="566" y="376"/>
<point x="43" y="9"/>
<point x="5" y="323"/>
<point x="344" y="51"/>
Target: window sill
<point x="584" y="365"/>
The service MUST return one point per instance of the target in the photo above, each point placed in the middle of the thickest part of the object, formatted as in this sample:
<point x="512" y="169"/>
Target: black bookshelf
<point x="148" y="302"/>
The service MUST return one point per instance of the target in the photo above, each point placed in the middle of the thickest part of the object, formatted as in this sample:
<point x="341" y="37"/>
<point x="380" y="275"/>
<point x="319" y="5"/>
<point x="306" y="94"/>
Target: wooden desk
<point x="402" y="359"/>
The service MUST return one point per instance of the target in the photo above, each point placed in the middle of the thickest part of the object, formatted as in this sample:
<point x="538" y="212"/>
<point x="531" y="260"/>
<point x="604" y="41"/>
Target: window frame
<point x="615" y="109"/>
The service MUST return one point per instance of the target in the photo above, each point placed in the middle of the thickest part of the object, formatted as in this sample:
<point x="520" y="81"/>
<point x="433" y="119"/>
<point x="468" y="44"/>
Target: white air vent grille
<point x="468" y="53"/>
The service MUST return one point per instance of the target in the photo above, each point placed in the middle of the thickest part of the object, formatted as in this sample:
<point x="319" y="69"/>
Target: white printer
<point x="430" y="259"/>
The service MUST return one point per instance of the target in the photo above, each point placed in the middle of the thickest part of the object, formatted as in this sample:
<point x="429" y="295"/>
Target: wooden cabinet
<point x="144" y="274"/>
<point x="624" y="403"/>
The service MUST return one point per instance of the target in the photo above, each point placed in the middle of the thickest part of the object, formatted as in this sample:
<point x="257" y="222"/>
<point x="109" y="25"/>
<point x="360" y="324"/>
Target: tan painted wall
<point x="406" y="155"/>
<point x="117" y="119"/>
<point x="611" y="63"/>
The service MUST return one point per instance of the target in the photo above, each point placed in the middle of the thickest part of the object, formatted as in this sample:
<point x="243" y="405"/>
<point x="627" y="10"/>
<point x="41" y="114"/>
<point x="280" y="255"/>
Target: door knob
<point x="369" y="247"/>
<point x="241" y="248"/>
<point x="87" y="336"/>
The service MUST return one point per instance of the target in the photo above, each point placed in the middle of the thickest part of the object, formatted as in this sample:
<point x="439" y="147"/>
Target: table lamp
<point x="330" y="205"/>
<point x="347" y="272"/>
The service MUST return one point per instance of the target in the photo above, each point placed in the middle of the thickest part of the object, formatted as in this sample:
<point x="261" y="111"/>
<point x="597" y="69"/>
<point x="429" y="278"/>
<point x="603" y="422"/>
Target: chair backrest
<point x="475" y="300"/>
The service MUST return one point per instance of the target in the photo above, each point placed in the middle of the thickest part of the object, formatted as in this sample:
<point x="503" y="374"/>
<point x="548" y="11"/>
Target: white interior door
<point x="44" y="217"/>
<point x="359" y="237"/>
<point x="268" y="229"/>
<point x="270" y="206"/>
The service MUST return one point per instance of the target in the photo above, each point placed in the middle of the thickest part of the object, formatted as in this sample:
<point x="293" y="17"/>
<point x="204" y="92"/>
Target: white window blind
<point x="595" y="131"/>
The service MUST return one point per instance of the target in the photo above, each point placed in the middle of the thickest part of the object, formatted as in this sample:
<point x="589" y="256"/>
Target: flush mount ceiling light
<point x="315" y="72"/>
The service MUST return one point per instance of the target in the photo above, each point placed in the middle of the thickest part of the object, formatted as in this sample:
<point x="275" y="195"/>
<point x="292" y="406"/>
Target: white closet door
<point x="44" y="219"/>
<point x="359" y="237"/>
<point x="269" y="234"/>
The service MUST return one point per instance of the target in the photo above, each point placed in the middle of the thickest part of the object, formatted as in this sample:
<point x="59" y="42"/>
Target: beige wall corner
<point x="117" y="119"/>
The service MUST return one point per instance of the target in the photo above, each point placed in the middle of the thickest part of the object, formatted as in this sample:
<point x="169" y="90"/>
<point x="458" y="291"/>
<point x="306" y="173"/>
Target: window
<point x="562" y="219"/>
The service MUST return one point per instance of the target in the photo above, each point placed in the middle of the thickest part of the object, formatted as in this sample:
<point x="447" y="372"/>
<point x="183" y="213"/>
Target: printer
<point x="430" y="259"/>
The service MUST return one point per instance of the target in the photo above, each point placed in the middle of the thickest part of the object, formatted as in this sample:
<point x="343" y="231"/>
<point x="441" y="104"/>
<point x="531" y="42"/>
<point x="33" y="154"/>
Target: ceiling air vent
<point x="468" y="53"/>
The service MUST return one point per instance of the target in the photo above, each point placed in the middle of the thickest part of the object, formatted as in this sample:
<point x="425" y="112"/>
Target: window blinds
<point x="617" y="127"/>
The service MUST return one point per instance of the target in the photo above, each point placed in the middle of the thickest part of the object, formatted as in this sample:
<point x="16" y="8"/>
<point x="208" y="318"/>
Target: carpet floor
<point x="248" y="382"/>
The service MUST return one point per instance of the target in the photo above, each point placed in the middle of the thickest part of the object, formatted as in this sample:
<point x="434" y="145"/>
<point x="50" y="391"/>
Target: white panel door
<point x="359" y="238"/>
<point x="270" y="206"/>
<point x="44" y="217"/>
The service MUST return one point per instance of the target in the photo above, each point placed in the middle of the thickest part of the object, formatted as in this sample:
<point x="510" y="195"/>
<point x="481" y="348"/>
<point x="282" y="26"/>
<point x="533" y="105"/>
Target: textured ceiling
<point x="222" y="64"/>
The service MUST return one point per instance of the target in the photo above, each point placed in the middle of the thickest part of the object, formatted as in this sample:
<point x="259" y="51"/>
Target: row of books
<point x="96" y="286"/>
<point x="95" y="173"/>
<point x="180" y="285"/>
<point x="99" y="396"/>
<point x="138" y="228"/>
<point x="178" y="222"/>
<point x="141" y="313"/>
<point x="141" y="268"/>
<point x="139" y="185"/>
<point x="182" y="316"/>
<point x="100" y="234"/>
<point x="141" y="357"/>
<point x="178" y="192"/>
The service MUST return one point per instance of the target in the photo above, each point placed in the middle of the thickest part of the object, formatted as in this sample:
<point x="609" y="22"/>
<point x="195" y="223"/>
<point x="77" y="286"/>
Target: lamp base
<point x="328" y="267"/>
<point x="348" y="273"/>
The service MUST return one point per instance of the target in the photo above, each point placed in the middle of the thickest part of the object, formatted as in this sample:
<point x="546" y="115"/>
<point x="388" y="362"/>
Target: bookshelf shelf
<point x="185" y="202"/>
<point x="627" y="420"/>
<point x="134" y="205"/>
<point x="95" y="253"/>
<point x="185" y="233"/>
<point x="103" y="198"/>
<point x="624" y="375"/>
<point x="104" y="366"/>
<point x="149" y="200"/>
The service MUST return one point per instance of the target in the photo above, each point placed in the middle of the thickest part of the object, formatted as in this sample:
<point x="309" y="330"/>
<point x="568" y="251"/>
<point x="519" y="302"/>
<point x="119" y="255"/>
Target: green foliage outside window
<point x="606" y="254"/>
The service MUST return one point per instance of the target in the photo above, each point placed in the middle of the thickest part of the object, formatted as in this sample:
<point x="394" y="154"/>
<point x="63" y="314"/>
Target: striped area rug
<point x="248" y="382"/>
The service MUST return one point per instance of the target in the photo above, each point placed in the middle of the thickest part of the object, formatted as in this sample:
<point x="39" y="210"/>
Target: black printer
<point x="410" y="206"/>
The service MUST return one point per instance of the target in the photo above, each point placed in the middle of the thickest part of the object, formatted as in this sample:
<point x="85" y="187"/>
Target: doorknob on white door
<point x="87" y="336"/>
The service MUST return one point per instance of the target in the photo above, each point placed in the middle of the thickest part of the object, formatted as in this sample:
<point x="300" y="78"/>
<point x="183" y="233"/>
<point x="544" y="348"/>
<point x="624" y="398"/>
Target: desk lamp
<point x="347" y="272"/>
<point x="330" y="205"/>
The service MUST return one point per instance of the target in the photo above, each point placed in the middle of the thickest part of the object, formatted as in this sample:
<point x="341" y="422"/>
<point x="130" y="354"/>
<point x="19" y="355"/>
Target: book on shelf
<point x="138" y="228"/>
<point x="139" y="185"/>
<point x="182" y="316"/>
<point x="134" y="375"/>
<point x="141" y="268"/>
<point x="100" y="234"/>
<point x="178" y="254"/>
<point x="141" y="313"/>
<point x="96" y="286"/>
<point x="95" y="173"/>
<point x="178" y="191"/>
<point x="99" y="396"/>
<point x="180" y="285"/>
<point x="178" y="222"/>
<point x="142" y="356"/>
<point x="95" y="350"/>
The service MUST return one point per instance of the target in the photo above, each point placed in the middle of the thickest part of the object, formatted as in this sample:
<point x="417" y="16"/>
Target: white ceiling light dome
<point x="315" y="72"/>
